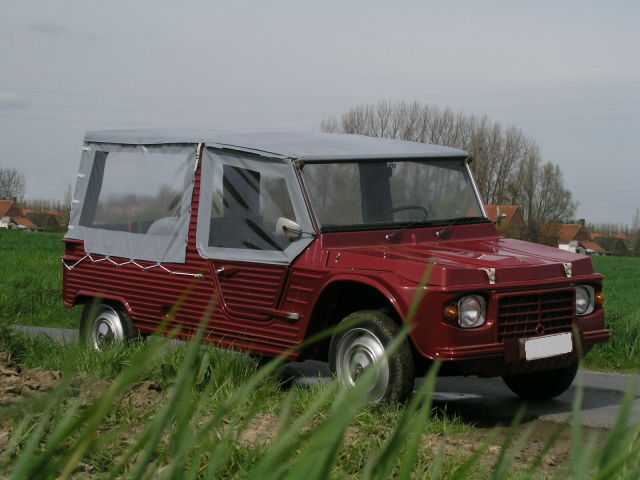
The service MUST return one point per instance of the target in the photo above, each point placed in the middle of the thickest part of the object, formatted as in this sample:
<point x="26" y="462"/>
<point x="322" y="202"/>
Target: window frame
<point x="213" y="159"/>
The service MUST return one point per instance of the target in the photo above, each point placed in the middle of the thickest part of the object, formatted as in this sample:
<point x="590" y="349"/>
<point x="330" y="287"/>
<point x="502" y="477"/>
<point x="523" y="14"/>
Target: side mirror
<point x="288" y="228"/>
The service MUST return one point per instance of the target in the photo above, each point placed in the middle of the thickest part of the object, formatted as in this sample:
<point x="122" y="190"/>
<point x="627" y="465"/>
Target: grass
<point x="212" y="399"/>
<point x="208" y="422"/>
<point x="218" y="416"/>
<point x="622" y="306"/>
<point x="31" y="276"/>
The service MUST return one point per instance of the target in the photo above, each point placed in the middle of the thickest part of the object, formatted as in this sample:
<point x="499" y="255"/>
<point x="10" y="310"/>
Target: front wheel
<point x="542" y="385"/>
<point x="104" y="325"/>
<point x="358" y="348"/>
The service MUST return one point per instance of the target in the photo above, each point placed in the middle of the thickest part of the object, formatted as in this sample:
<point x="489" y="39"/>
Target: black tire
<point x="353" y="350"/>
<point x="106" y="324"/>
<point x="542" y="385"/>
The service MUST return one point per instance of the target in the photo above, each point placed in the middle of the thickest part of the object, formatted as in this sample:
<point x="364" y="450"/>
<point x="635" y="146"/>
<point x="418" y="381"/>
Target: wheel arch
<point x="343" y="296"/>
<point x="84" y="296"/>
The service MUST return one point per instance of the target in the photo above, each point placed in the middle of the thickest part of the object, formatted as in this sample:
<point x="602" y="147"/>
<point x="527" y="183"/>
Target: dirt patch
<point x="17" y="381"/>
<point x="144" y="397"/>
<point x="261" y="430"/>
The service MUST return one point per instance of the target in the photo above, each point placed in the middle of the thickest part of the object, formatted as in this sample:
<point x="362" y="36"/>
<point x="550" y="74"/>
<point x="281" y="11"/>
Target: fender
<point x="368" y="281"/>
<point x="105" y="296"/>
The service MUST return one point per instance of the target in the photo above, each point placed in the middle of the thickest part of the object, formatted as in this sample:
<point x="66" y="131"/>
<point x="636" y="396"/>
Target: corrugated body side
<point x="149" y="295"/>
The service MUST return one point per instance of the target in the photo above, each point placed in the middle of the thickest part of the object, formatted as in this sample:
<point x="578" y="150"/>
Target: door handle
<point x="221" y="272"/>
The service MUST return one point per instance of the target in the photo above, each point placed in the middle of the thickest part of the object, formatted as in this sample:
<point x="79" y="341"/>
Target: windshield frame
<point x="319" y="227"/>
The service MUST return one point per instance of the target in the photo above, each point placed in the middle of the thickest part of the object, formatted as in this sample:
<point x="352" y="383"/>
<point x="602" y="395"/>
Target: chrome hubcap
<point x="107" y="328"/>
<point x="358" y="350"/>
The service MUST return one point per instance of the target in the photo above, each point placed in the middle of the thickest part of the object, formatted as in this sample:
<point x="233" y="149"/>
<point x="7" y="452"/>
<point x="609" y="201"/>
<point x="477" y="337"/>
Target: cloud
<point x="11" y="100"/>
<point x="49" y="29"/>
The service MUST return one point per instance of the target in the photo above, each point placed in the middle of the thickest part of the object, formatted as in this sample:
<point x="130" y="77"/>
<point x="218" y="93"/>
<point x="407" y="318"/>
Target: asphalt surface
<point x="485" y="401"/>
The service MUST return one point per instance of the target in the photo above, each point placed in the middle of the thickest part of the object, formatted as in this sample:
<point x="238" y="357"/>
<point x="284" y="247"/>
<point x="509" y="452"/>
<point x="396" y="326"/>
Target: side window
<point x="139" y="193"/>
<point x="245" y="207"/>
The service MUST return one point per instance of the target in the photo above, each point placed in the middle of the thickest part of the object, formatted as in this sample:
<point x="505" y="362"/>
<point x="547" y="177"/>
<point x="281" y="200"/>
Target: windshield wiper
<point x="392" y="235"/>
<point x="453" y="221"/>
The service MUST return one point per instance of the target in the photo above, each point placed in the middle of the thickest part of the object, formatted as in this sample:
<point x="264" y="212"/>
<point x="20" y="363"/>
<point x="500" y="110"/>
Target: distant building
<point x="565" y="236"/>
<point x="509" y="220"/>
<point x="12" y="217"/>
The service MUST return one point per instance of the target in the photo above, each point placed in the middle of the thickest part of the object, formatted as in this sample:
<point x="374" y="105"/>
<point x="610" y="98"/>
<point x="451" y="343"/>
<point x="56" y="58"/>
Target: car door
<point x="241" y="198"/>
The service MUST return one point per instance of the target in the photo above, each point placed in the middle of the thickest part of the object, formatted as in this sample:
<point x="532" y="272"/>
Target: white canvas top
<point x="300" y="145"/>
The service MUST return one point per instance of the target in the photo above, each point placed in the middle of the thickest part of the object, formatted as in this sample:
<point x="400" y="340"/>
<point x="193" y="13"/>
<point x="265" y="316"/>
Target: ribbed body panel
<point x="150" y="295"/>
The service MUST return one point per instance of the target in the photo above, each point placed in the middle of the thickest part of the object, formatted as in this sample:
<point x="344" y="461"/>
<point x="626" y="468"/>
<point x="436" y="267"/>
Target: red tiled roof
<point x="25" y="222"/>
<point x="508" y="210"/>
<point x="621" y="236"/>
<point x="566" y="232"/>
<point x="5" y="206"/>
<point x="592" y="246"/>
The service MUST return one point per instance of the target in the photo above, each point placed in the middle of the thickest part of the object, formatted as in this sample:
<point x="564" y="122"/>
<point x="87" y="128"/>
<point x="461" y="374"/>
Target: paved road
<point x="486" y="401"/>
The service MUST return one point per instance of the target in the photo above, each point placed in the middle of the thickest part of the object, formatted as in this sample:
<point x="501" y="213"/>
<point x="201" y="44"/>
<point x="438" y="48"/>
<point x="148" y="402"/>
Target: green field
<point x="622" y="306"/>
<point x="31" y="272"/>
<point x="31" y="278"/>
<point x="153" y="410"/>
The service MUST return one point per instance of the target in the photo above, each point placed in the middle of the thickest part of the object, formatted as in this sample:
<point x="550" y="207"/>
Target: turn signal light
<point x="450" y="312"/>
<point x="600" y="298"/>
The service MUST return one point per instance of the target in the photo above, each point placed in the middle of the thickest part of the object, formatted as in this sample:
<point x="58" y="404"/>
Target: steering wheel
<point x="402" y="208"/>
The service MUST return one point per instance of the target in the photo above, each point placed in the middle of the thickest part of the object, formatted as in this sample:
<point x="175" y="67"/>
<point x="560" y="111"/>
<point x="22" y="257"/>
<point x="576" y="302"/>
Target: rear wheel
<point x="358" y="348"/>
<point x="542" y="385"/>
<point x="106" y="324"/>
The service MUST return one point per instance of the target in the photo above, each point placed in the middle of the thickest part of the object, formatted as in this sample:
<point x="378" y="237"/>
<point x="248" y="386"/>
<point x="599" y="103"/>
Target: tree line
<point x="507" y="164"/>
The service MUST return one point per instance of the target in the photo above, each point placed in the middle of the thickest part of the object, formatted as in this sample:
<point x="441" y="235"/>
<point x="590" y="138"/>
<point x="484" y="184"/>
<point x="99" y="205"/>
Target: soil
<point x="18" y="382"/>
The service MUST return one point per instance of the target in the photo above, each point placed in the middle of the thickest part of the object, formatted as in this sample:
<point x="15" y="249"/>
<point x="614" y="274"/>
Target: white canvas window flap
<point x="242" y="196"/>
<point x="134" y="201"/>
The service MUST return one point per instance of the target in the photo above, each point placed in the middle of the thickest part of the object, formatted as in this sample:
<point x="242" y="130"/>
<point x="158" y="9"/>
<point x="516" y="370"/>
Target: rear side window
<point x="140" y="193"/>
<point x="134" y="201"/>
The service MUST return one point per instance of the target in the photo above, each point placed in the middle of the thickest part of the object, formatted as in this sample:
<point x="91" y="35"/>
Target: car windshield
<point x="366" y="195"/>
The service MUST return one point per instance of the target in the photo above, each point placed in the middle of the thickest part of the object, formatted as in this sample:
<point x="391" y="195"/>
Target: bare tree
<point x="506" y="163"/>
<point x="12" y="184"/>
<point x="634" y="237"/>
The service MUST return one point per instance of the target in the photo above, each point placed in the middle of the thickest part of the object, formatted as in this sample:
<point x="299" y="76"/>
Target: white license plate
<point x="547" y="346"/>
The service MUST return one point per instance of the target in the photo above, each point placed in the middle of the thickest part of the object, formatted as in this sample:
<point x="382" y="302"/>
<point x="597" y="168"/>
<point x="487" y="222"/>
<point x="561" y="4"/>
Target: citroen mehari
<point x="289" y="234"/>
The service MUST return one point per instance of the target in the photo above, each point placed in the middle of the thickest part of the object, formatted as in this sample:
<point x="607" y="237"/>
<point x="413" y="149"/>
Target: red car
<point x="278" y="236"/>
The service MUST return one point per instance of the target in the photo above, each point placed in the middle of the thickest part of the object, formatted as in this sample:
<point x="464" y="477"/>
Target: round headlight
<point x="584" y="299"/>
<point x="471" y="311"/>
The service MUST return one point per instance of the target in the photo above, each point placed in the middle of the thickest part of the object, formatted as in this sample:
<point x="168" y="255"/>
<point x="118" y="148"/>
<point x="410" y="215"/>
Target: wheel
<point x="542" y="385"/>
<point x="354" y="350"/>
<point x="104" y="325"/>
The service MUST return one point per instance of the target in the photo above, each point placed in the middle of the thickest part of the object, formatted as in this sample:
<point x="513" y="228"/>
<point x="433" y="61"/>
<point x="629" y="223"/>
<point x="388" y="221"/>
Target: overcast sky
<point x="566" y="73"/>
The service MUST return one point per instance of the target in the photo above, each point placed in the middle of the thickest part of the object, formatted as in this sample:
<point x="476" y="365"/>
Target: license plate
<point x="547" y="346"/>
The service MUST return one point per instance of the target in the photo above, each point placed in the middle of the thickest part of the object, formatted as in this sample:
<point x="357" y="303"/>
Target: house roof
<point x="565" y="232"/>
<point x="592" y="246"/>
<point x="5" y="206"/>
<point x="25" y="222"/>
<point x="620" y="236"/>
<point x="27" y="211"/>
<point x="509" y="210"/>
<point x="301" y="145"/>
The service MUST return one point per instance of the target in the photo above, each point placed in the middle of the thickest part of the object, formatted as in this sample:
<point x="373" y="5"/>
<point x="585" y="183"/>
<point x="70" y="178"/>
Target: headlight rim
<point x="482" y="304"/>
<point x="591" y="294"/>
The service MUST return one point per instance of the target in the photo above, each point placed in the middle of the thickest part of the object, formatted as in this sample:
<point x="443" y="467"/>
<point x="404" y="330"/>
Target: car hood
<point x="470" y="261"/>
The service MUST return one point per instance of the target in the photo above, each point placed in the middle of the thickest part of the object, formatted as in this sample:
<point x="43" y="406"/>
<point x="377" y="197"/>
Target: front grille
<point x="530" y="315"/>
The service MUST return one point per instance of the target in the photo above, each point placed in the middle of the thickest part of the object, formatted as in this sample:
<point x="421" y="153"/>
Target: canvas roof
<point x="300" y="145"/>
